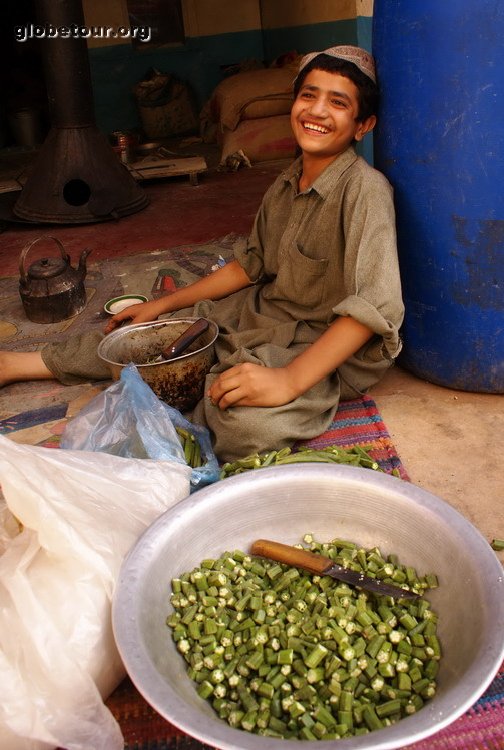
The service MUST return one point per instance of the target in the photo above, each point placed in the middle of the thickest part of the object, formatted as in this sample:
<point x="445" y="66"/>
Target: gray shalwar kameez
<point x="313" y="256"/>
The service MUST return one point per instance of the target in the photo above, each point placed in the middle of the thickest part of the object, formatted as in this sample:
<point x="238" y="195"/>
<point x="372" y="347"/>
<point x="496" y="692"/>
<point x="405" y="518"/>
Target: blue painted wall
<point x="116" y="69"/>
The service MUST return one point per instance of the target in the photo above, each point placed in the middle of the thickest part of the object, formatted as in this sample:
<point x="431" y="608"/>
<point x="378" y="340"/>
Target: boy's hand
<point x="252" y="385"/>
<point x="249" y="384"/>
<point x="143" y="312"/>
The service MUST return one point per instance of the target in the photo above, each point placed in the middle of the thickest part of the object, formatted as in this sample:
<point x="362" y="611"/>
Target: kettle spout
<point x="82" y="269"/>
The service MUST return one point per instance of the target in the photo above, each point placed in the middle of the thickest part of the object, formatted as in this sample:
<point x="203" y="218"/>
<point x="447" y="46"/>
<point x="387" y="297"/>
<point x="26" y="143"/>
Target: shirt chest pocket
<point x="301" y="279"/>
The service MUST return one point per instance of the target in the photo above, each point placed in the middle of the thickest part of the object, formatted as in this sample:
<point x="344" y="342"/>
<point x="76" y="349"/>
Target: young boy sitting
<point x="310" y="308"/>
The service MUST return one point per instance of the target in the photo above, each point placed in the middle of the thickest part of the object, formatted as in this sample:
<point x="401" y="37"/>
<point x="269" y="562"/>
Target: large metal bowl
<point x="284" y="503"/>
<point x="179" y="381"/>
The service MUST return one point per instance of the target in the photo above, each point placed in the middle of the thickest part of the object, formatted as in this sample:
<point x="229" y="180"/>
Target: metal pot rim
<point x="124" y="330"/>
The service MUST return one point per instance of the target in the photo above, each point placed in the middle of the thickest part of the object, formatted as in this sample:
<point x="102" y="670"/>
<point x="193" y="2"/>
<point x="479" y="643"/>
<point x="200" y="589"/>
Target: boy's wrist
<point x="296" y="379"/>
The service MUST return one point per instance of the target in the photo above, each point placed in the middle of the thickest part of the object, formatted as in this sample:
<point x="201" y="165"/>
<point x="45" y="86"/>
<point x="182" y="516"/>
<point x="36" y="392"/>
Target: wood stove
<point x="77" y="177"/>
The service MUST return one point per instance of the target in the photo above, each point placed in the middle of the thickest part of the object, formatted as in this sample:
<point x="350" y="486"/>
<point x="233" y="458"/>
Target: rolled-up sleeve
<point x="359" y="309"/>
<point x="371" y="268"/>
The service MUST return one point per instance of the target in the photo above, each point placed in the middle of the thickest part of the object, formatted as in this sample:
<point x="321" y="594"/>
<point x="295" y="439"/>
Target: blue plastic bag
<point x="127" y="419"/>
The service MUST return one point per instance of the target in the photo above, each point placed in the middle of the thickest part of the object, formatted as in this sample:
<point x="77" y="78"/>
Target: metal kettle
<point x="51" y="289"/>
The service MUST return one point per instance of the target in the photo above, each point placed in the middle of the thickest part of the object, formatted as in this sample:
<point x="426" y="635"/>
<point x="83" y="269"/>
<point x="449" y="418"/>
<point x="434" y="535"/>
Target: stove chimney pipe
<point x="77" y="177"/>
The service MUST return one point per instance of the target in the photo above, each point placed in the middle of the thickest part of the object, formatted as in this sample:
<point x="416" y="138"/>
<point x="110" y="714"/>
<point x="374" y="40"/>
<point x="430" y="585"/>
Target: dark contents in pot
<point x="168" y="386"/>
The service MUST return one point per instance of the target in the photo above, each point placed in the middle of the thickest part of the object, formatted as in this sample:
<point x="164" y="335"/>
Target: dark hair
<point x="368" y="90"/>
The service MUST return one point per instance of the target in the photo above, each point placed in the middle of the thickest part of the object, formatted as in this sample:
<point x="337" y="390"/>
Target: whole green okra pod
<point x="356" y="456"/>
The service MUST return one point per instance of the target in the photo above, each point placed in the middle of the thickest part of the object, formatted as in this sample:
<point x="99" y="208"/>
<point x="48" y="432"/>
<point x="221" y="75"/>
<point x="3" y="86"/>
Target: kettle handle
<point x="24" y="253"/>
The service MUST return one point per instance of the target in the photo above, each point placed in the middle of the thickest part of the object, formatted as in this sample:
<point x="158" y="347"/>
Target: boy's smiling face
<point x="324" y="115"/>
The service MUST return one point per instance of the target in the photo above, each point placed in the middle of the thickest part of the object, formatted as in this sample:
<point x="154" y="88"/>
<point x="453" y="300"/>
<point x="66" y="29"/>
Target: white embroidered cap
<point x="358" y="56"/>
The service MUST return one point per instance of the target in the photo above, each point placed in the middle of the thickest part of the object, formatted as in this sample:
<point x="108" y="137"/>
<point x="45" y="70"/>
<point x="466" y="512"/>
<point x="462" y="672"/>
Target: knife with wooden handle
<point x="324" y="566"/>
<point x="182" y="342"/>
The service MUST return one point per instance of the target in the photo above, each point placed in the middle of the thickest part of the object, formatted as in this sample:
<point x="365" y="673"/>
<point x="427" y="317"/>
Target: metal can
<point x="124" y="144"/>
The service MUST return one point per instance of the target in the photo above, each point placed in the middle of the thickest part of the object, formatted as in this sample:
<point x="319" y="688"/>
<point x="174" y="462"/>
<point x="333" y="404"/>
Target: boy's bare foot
<point x="21" y="366"/>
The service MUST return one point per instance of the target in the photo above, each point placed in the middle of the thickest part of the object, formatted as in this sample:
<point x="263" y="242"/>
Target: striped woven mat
<point x="357" y="422"/>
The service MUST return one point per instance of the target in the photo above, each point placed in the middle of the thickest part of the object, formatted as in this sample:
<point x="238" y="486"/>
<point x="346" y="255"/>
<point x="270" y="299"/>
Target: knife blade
<point x="324" y="566"/>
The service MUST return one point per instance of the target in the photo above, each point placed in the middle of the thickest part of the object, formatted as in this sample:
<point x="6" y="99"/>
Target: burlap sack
<point x="264" y="139"/>
<point x="252" y="94"/>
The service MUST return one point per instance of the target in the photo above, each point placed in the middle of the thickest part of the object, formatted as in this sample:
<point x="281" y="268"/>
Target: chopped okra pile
<point x="282" y="653"/>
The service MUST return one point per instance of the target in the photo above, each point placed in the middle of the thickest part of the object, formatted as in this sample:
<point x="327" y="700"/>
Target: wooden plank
<point x="10" y="186"/>
<point x="12" y="180"/>
<point x="15" y="167"/>
<point x="185" y="165"/>
<point x="149" y="168"/>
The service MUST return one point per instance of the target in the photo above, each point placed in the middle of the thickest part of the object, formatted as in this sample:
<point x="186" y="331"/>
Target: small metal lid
<point x="47" y="268"/>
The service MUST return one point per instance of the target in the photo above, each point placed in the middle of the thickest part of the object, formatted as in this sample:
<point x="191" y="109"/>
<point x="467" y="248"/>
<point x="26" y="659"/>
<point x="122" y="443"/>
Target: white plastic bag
<point x="80" y="513"/>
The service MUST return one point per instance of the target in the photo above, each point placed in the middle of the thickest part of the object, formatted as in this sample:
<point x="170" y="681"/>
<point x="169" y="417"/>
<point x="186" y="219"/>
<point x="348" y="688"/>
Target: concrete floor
<point x="450" y="442"/>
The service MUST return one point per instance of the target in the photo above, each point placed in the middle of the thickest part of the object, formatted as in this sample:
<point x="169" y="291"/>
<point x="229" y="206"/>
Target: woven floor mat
<point x="357" y="422"/>
<point x="151" y="273"/>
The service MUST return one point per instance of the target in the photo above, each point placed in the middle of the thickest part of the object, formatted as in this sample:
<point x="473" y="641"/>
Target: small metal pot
<point x="179" y="381"/>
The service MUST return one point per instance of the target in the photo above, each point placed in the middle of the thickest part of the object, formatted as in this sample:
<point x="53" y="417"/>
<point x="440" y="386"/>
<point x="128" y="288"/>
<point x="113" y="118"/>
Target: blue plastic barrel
<point x="440" y="142"/>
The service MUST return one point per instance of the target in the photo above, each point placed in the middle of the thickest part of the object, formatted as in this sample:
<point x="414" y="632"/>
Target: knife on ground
<point x="324" y="566"/>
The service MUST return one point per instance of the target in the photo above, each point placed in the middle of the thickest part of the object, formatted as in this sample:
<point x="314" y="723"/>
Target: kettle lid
<point x="47" y="268"/>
